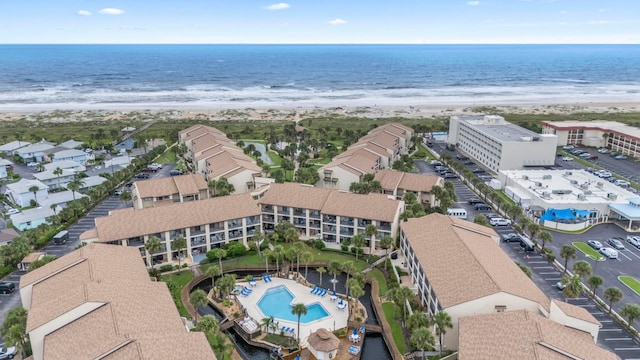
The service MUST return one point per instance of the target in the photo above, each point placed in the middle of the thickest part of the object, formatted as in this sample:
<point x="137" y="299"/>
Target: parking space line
<point x="537" y="262"/>
<point x="552" y="279"/>
<point x="626" y="349"/>
<point x="621" y="253"/>
<point x="633" y="253"/>
<point x="543" y="267"/>
<point x="606" y="321"/>
<point x="621" y="339"/>
<point x="616" y="330"/>
<point x="549" y="273"/>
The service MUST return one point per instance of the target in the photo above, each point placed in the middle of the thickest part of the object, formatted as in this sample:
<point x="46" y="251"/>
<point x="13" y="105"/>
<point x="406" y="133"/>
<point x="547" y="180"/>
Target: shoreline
<point x="292" y="112"/>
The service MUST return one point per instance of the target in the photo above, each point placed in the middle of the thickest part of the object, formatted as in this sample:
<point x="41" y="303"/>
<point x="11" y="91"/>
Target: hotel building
<point x="398" y="183"/>
<point x="500" y="145"/>
<point x="169" y="190"/>
<point x="618" y="137"/>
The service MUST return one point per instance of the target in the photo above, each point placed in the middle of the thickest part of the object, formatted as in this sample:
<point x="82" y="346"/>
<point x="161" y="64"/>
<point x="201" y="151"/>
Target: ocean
<point x="45" y="77"/>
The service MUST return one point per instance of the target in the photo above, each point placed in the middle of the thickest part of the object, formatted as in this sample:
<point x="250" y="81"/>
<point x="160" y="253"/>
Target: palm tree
<point x="267" y="256"/>
<point x="567" y="252"/>
<point x="334" y="269"/>
<point x="545" y="237"/>
<point x="371" y="231"/>
<point x="392" y="295"/>
<point x="573" y="286"/>
<point x="422" y="339"/>
<point x="219" y="254"/>
<point x="34" y="189"/>
<point x="299" y="310"/>
<point x="582" y="268"/>
<point x="54" y="207"/>
<point x="212" y="272"/>
<point x="403" y="294"/>
<point x="266" y="321"/>
<point x="417" y="320"/>
<point x="307" y="257"/>
<point x="57" y="172"/>
<point x="442" y="321"/>
<point x="291" y="235"/>
<point x="278" y="253"/>
<point x="299" y="247"/>
<point x="153" y="245"/>
<point x="125" y="197"/>
<point x="358" y="241"/>
<point x="356" y="291"/>
<point x="321" y="270"/>
<point x="595" y="282"/>
<point x="348" y="267"/>
<point x="258" y="237"/>
<point x="612" y="295"/>
<point x="631" y="312"/>
<point x="75" y="185"/>
<point x="198" y="298"/>
<point x="386" y="243"/>
<point x="178" y="245"/>
<point x="208" y="325"/>
<point x="533" y="230"/>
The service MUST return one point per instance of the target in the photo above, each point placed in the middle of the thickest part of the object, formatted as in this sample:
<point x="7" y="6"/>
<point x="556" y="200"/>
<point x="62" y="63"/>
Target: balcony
<point x="346" y="231"/>
<point x="233" y="224"/>
<point x="267" y="218"/>
<point x="384" y="226"/>
<point x="252" y="220"/>
<point x="329" y="229"/>
<point x="300" y="213"/>
<point x="364" y="223"/>
<point x="314" y="214"/>
<point x="267" y="209"/>
<point x="200" y="240"/>
<point x="135" y="242"/>
<point x="236" y="234"/>
<point x="216" y="238"/>
<point x="329" y="219"/>
<point x="176" y="234"/>
<point x="314" y="224"/>
<point x="299" y="222"/>
<point x="346" y="221"/>
<point x="196" y="230"/>
<point x="282" y="219"/>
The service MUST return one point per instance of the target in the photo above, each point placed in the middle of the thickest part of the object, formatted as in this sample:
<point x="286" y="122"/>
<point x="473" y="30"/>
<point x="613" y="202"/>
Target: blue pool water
<point x="276" y="302"/>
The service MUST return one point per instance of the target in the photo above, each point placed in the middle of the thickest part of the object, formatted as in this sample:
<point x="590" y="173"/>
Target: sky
<point x="320" y="21"/>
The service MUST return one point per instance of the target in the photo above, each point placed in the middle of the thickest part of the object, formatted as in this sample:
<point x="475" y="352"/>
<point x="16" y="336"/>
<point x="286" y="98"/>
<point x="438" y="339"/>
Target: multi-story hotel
<point x="500" y="145"/>
<point x="98" y="302"/>
<point x="458" y="267"/>
<point x="330" y="215"/>
<point x="205" y="224"/>
<point x="398" y="183"/>
<point x="615" y="136"/>
<point x="169" y="190"/>
<point x="374" y="151"/>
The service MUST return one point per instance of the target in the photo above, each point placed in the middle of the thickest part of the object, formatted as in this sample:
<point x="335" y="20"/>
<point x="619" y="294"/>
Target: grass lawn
<point x="285" y="341"/>
<point x="423" y="153"/>
<point x="180" y="280"/>
<point x="396" y="327"/>
<point x="588" y="250"/>
<point x="631" y="283"/>
<point x="382" y="282"/>
<point x="504" y="197"/>
<point x="168" y="157"/>
<point x="277" y="160"/>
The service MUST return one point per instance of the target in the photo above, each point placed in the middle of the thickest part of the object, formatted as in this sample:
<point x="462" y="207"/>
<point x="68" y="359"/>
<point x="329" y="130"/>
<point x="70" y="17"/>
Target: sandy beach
<point x="295" y="113"/>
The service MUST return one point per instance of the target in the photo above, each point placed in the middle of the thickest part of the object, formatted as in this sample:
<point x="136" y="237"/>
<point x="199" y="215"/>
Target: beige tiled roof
<point x="126" y="223"/>
<point x="89" y="234"/>
<point x="365" y="149"/>
<point x="470" y="265"/>
<point x="323" y="340"/>
<point x="133" y="318"/>
<point x="185" y="185"/>
<point x="34" y="256"/>
<point x="575" y="311"/>
<point x="391" y="180"/>
<point x="357" y="165"/>
<point x="209" y="140"/>
<point x="226" y="162"/>
<point x="523" y="335"/>
<point x="213" y="151"/>
<point x="371" y="206"/>
<point x="295" y="195"/>
<point x="197" y="130"/>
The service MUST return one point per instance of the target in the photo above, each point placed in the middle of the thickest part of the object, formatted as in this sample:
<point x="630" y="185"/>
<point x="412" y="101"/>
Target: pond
<point x="263" y="150"/>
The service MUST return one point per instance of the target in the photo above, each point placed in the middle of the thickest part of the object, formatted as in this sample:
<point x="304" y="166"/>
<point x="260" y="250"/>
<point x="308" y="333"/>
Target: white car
<point x="609" y="252"/>
<point x="32" y="164"/>
<point x="603" y="151"/>
<point x="567" y="158"/>
<point x="7" y="353"/>
<point x="13" y="211"/>
<point x="634" y="240"/>
<point x="499" y="222"/>
<point x="603" y="174"/>
<point x="568" y="147"/>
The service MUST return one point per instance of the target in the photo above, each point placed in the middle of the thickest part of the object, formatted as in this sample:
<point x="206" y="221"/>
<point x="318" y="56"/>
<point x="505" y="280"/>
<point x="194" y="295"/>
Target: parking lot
<point x="546" y="276"/>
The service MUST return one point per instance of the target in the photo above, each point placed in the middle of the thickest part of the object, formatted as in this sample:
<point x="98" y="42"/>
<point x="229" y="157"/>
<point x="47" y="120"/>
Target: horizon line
<point x="248" y="43"/>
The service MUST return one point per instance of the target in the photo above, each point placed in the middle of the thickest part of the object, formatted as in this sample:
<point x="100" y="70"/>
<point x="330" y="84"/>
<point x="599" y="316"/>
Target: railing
<point x="314" y="224"/>
<point x="217" y="238"/>
<point x="234" y="225"/>
<point x="347" y="221"/>
<point x="267" y="209"/>
<point x="314" y="214"/>
<point x="235" y="234"/>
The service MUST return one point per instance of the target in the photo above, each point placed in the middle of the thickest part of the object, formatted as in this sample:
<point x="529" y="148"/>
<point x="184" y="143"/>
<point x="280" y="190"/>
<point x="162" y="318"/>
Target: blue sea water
<point x="238" y="76"/>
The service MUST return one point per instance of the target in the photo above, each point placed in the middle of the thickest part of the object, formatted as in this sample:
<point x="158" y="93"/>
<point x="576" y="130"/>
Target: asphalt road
<point x="612" y="336"/>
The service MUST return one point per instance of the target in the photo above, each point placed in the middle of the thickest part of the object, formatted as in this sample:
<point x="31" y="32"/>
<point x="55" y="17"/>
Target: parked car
<point x="567" y="158"/>
<point x="482" y="207"/>
<point x="175" y="172"/>
<point x="560" y="285"/>
<point x="435" y="163"/>
<point x="634" y="240"/>
<point x="12" y="211"/>
<point x="500" y="222"/>
<point x="142" y="176"/>
<point x="616" y="243"/>
<point x="576" y="152"/>
<point x="568" y="147"/>
<point x="603" y="174"/>
<point x="603" y="151"/>
<point x="490" y="216"/>
<point x="118" y="192"/>
<point x="32" y="164"/>
<point x="595" y="244"/>
<point x="593" y="157"/>
<point x="7" y="287"/>
<point x="477" y="171"/>
<point x="609" y="252"/>
<point x="620" y="157"/>
<point x="449" y="175"/>
<point x="511" y="237"/>
<point x="621" y="183"/>
<point x="474" y="200"/>
<point x="585" y="155"/>
<point x="7" y="353"/>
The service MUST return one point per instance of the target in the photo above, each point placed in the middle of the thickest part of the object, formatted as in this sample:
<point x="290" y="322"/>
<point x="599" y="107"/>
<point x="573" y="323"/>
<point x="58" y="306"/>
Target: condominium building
<point x="458" y="267"/>
<point x="213" y="155"/>
<point x="524" y="335"/>
<point x="500" y="145"/>
<point x="374" y="151"/>
<point x="330" y="215"/>
<point x="618" y="137"/>
<point x="205" y="224"/>
<point x="98" y="302"/>
<point x="169" y="190"/>
<point x="398" y="183"/>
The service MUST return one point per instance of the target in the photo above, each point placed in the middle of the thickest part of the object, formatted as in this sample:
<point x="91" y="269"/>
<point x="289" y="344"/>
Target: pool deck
<point x="337" y="319"/>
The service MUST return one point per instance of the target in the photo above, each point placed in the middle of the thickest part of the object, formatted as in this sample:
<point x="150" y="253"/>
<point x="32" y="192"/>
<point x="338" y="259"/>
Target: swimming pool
<point x="276" y="302"/>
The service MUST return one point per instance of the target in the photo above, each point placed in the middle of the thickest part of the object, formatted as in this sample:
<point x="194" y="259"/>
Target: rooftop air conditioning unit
<point x="568" y="173"/>
<point x="612" y="196"/>
<point x="588" y="192"/>
<point x="538" y="183"/>
<point x="584" y="186"/>
<point x="582" y="197"/>
<point x="599" y="184"/>
<point x="574" y="181"/>
<point x="525" y="177"/>
<point x="546" y="177"/>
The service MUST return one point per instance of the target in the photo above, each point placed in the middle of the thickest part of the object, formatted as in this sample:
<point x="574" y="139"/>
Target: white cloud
<point x="337" y="21"/>
<point x="473" y="3"/>
<point x="599" y="22"/>
<point x="111" y="11"/>
<point x="84" y="13"/>
<point x="278" y="6"/>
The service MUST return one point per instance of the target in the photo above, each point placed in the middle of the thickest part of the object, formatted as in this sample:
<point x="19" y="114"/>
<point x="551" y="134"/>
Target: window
<point x="501" y="308"/>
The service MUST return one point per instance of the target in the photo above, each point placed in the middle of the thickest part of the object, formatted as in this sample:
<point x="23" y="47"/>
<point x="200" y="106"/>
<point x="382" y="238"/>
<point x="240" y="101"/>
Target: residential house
<point x="169" y="190"/>
<point x="205" y="224"/>
<point x="331" y="215"/>
<point x="32" y="218"/>
<point x="10" y="148"/>
<point x="377" y="150"/>
<point x="398" y="183"/>
<point x="35" y="152"/>
<point x="63" y="154"/>
<point x="20" y="192"/>
<point x="61" y="198"/>
<point x="469" y="274"/>
<point x="7" y="235"/>
<point x="65" y="164"/>
<point x="523" y="335"/>
<point x="71" y="144"/>
<point x="54" y="181"/>
<point x="31" y="258"/>
<point x="4" y="165"/>
<point x="104" y="290"/>
<point x="91" y="181"/>
<point x="118" y="162"/>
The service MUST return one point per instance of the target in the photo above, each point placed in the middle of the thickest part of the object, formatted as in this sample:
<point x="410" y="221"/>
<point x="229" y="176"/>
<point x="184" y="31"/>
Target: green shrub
<point x="236" y="250"/>
<point x="166" y="267"/>
<point x="184" y="266"/>
<point x="344" y="248"/>
<point x="6" y="270"/>
<point x="360" y="251"/>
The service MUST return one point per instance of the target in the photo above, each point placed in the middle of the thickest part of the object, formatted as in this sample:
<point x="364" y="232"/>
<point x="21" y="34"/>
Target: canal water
<point x="373" y="347"/>
<point x="263" y="151"/>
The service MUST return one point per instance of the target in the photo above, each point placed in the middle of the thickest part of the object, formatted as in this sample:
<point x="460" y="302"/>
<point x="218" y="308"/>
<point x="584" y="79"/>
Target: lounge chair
<point x="323" y="292"/>
<point x="269" y="278"/>
<point x="315" y="288"/>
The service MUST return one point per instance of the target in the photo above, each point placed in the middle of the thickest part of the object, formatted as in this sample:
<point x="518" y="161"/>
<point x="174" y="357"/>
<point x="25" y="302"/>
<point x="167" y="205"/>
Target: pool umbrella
<point x="334" y="293"/>
<point x="355" y="331"/>
<point x="297" y="357"/>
